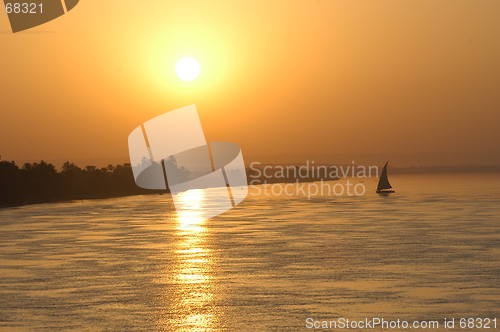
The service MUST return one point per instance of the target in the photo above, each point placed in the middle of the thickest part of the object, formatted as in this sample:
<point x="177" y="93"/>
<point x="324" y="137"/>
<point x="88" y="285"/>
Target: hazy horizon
<point x="379" y="161"/>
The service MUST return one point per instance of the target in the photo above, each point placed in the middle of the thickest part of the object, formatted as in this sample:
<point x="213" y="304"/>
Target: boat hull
<point x="385" y="192"/>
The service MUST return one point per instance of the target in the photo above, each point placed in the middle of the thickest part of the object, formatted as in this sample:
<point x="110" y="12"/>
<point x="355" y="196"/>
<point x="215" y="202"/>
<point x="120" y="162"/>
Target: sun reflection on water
<point x="189" y="213"/>
<point x="194" y="265"/>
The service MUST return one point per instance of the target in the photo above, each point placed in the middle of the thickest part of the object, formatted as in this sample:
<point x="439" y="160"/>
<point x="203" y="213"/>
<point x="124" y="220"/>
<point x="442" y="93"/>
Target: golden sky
<point x="416" y="82"/>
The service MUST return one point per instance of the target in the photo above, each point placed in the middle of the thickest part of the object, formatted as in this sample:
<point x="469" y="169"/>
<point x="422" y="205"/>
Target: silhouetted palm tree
<point x="41" y="182"/>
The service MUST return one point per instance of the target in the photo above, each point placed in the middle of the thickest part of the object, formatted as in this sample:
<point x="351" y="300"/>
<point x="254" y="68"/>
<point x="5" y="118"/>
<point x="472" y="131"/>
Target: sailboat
<point x="384" y="187"/>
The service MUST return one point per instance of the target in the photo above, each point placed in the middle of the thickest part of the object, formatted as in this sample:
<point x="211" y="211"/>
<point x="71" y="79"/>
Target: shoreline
<point x="90" y="197"/>
<point x="396" y="172"/>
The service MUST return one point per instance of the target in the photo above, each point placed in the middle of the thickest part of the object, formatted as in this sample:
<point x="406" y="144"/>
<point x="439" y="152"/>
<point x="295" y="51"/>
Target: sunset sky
<point x="416" y="82"/>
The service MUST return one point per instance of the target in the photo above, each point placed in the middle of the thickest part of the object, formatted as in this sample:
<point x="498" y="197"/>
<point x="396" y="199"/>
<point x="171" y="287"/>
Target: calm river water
<point x="428" y="252"/>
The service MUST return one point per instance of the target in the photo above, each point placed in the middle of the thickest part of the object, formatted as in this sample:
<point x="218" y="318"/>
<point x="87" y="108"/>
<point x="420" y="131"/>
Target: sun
<point x="188" y="68"/>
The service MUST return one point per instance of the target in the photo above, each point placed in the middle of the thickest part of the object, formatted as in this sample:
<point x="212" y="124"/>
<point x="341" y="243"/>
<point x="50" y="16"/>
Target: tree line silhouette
<point x="41" y="182"/>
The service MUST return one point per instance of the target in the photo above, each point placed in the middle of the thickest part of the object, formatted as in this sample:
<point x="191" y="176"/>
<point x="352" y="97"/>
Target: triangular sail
<point x="383" y="183"/>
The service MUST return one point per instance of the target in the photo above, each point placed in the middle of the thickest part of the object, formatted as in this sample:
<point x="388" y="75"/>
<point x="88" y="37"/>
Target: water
<point x="130" y="264"/>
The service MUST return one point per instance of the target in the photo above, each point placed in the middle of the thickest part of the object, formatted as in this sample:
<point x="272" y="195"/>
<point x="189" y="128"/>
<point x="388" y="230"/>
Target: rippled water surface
<point x="131" y="264"/>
